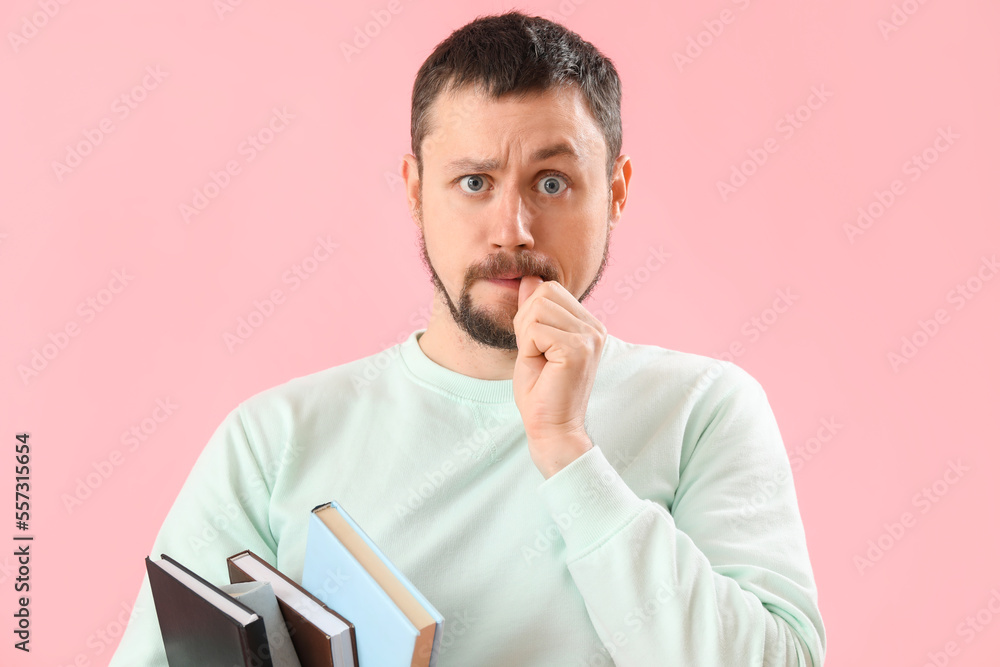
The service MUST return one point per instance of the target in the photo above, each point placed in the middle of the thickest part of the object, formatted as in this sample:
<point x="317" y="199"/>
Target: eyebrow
<point x="473" y="165"/>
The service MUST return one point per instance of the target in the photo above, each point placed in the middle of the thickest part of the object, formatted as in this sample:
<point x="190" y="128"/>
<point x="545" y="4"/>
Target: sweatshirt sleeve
<point x="722" y="577"/>
<point x="221" y="509"/>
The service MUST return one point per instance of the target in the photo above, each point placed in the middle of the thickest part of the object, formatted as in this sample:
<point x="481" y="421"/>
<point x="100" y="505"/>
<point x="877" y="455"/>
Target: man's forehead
<point x="462" y="141"/>
<point x="467" y="163"/>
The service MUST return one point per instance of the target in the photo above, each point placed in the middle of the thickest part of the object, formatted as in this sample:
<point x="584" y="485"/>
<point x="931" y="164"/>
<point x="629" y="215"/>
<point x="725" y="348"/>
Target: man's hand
<point x="559" y="345"/>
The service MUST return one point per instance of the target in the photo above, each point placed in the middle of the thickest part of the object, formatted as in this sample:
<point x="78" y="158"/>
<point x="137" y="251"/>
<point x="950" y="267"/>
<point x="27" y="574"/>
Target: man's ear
<point x="621" y="174"/>
<point x="412" y="180"/>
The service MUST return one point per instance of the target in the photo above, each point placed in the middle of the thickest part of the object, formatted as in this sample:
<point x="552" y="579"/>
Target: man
<point x="562" y="497"/>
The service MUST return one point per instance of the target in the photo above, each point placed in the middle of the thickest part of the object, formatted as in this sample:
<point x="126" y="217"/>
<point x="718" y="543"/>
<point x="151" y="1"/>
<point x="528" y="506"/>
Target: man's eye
<point x="478" y="183"/>
<point x="550" y="184"/>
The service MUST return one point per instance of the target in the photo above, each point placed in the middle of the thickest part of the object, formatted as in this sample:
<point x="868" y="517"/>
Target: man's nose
<point x="515" y="215"/>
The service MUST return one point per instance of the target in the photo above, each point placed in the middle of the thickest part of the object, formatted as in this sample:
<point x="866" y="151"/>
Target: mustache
<point x="525" y="264"/>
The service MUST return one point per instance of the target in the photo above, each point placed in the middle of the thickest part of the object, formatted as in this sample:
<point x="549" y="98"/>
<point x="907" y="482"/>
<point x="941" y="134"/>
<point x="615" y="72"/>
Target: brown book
<point x="321" y="636"/>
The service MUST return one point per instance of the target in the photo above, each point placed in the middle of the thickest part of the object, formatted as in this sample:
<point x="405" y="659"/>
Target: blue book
<point x="394" y="624"/>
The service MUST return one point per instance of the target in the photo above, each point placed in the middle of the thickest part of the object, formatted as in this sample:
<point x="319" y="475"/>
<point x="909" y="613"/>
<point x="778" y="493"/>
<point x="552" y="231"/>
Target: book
<point x="396" y="626"/>
<point x="201" y="624"/>
<point x="321" y="636"/>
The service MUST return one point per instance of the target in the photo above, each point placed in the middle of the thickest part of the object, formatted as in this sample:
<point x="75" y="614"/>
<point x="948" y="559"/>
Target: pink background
<point x="333" y="172"/>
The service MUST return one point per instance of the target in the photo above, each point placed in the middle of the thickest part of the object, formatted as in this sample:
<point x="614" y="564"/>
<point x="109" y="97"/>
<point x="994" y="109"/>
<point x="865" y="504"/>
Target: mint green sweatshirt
<point x="676" y="540"/>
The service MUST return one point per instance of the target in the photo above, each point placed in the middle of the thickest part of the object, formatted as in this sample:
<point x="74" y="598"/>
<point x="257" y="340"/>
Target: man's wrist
<point x="558" y="453"/>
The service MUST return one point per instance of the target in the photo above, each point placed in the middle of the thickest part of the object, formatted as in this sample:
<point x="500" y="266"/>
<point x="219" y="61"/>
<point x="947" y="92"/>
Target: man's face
<point x="524" y="214"/>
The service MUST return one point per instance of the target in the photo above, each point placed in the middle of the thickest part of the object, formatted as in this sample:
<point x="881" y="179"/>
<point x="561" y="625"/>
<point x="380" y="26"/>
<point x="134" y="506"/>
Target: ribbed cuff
<point x="589" y="501"/>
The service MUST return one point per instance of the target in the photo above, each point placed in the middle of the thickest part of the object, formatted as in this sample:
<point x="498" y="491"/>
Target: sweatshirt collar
<point x="452" y="384"/>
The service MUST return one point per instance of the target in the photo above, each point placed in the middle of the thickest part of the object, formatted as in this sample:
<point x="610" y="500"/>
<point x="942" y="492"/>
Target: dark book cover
<point x="196" y="632"/>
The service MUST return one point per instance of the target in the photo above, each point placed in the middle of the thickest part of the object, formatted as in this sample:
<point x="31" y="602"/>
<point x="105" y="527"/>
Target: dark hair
<point x="515" y="54"/>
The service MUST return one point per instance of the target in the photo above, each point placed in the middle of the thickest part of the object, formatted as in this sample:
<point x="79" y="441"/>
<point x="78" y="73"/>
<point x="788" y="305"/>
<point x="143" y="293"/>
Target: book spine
<point x="256" y="650"/>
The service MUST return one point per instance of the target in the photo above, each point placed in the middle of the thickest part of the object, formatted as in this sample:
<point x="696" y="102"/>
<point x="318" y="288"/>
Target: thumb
<point x="528" y="285"/>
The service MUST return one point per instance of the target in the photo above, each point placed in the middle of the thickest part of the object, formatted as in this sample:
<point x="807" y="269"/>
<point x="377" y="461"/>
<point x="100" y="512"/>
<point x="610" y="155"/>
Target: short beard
<point x="485" y="326"/>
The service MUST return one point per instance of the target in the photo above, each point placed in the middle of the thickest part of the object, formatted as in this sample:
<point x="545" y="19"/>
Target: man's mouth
<point x="512" y="280"/>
